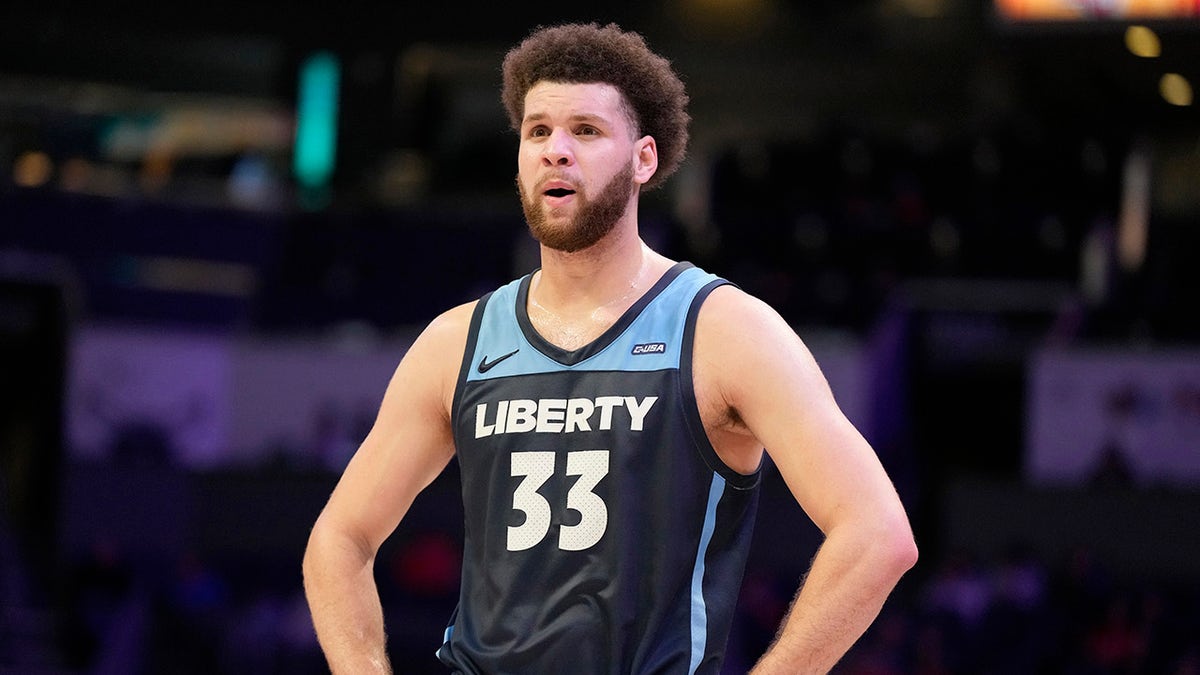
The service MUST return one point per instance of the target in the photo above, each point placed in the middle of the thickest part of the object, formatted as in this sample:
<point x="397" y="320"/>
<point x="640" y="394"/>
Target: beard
<point x="594" y="217"/>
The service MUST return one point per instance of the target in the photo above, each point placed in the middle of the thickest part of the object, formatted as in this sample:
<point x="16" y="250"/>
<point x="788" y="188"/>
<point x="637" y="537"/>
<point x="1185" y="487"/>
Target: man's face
<point x="576" y="166"/>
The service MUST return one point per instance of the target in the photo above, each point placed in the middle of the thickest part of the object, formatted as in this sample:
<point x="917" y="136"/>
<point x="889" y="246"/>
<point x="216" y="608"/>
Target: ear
<point x="645" y="159"/>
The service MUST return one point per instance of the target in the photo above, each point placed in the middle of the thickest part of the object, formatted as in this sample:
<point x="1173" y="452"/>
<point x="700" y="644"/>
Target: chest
<point x="571" y="332"/>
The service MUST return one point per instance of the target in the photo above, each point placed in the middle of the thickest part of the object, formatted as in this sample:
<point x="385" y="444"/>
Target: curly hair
<point x="587" y="53"/>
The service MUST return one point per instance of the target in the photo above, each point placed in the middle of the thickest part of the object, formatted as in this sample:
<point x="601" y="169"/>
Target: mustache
<point x="540" y="185"/>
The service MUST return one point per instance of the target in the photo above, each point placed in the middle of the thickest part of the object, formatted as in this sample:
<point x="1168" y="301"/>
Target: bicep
<point x="409" y="444"/>
<point x="777" y="390"/>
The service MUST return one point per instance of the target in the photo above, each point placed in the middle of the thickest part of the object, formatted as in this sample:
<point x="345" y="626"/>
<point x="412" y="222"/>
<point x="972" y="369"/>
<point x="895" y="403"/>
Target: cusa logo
<point x="650" y="348"/>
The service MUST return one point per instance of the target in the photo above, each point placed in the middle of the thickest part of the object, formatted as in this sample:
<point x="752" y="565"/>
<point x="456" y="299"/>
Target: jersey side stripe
<point x="699" y="611"/>
<point x="445" y="641"/>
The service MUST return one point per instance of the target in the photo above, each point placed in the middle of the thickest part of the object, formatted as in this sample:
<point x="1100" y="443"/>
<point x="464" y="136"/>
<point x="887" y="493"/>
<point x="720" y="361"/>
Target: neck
<point x="604" y="274"/>
<point x="577" y="296"/>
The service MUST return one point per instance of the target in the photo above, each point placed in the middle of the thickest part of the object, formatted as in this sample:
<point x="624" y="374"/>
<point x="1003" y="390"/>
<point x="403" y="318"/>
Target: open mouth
<point x="559" y="192"/>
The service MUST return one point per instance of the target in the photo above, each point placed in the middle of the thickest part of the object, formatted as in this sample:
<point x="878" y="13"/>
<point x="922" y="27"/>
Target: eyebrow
<point x="578" y="117"/>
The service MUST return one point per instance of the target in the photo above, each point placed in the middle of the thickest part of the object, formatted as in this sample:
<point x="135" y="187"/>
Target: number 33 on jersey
<point x="592" y="496"/>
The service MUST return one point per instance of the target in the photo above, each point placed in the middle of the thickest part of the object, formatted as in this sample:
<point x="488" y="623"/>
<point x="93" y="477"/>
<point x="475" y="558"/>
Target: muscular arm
<point x="777" y="397"/>
<point x="408" y="446"/>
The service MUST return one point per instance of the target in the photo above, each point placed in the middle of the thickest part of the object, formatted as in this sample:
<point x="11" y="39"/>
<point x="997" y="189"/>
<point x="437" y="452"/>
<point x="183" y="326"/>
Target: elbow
<point x="905" y="553"/>
<point x="333" y="547"/>
<point x="900" y="547"/>
<point x="886" y="539"/>
<point x="883" y="543"/>
<point x="320" y="550"/>
<point x="309" y="562"/>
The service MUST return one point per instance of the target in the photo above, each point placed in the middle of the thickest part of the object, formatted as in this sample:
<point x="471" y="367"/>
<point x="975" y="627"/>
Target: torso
<point x="604" y="583"/>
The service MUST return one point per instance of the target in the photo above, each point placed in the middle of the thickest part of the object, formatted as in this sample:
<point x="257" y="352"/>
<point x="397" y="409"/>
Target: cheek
<point x="527" y="165"/>
<point x="524" y="180"/>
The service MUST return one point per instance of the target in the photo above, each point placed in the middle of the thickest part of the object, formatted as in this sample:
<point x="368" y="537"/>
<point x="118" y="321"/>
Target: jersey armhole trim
<point x="467" y="357"/>
<point x="735" y="479"/>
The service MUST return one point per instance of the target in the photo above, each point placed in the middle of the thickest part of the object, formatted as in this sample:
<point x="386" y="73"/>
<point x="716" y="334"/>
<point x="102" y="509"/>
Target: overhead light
<point x="1143" y="42"/>
<point x="1175" y="89"/>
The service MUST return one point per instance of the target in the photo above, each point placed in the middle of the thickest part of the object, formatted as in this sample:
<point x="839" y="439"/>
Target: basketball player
<point x="609" y="413"/>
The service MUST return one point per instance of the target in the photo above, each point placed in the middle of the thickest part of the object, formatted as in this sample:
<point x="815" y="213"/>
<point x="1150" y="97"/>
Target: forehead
<point x="593" y="99"/>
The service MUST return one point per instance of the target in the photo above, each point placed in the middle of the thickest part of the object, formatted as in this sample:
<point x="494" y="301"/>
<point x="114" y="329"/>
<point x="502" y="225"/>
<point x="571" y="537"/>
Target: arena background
<point x="222" y="224"/>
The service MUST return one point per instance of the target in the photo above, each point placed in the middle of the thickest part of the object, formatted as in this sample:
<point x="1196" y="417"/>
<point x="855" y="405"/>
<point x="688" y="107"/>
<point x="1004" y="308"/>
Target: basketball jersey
<point x="602" y="532"/>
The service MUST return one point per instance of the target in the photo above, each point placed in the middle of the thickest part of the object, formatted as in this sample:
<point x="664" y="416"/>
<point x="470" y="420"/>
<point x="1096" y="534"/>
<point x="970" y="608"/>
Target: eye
<point x="587" y="131"/>
<point x="538" y="132"/>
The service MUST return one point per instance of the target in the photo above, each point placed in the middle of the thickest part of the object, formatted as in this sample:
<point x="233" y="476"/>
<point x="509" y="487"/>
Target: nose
<point x="557" y="149"/>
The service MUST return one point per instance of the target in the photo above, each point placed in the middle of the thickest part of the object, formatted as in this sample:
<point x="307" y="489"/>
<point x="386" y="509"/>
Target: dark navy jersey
<point x="603" y="534"/>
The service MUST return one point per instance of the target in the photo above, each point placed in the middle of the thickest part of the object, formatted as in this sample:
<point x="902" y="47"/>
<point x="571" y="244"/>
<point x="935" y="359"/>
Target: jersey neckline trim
<point x="572" y="357"/>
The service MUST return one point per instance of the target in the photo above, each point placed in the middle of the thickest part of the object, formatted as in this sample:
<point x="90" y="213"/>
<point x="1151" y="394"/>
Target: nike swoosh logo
<point x="484" y="366"/>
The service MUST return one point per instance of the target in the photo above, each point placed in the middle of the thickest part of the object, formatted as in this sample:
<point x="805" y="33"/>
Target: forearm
<point x="851" y="576"/>
<point x="339" y="584"/>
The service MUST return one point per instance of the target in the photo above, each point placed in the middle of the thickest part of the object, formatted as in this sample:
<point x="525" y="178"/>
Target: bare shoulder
<point x="728" y="303"/>
<point x="452" y="323"/>
<point x="740" y="325"/>
<point x="435" y="356"/>
<point x="745" y="349"/>
<point x="751" y="374"/>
